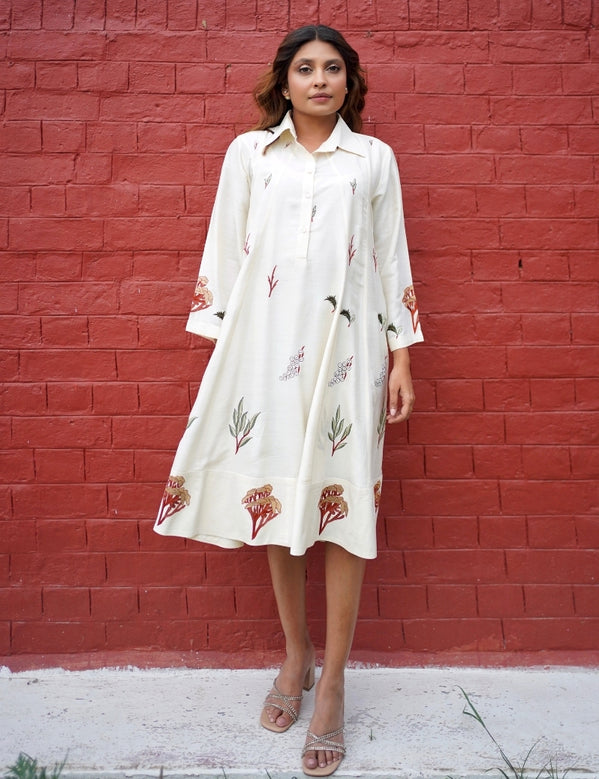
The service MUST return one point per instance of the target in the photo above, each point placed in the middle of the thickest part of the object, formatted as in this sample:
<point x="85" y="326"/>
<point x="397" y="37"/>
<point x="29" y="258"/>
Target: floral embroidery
<point x="294" y="366"/>
<point x="380" y="428"/>
<point x="380" y="379"/>
<point x="246" y="245"/>
<point x="220" y="314"/>
<point x="175" y="498"/>
<point x="338" y="434"/>
<point x="313" y="213"/>
<point x="202" y="297"/>
<point x="272" y="282"/>
<point x="377" y="495"/>
<point x="332" y="505"/>
<point x="409" y="301"/>
<point x="242" y="426"/>
<point x="348" y="315"/>
<point x="353" y="184"/>
<point x="267" y="180"/>
<point x="262" y="507"/>
<point x="382" y="321"/>
<point x="343" y="368"/>
<point x="351" y="251"/>
<point x="344" y="311"/>
<point x="392" y="329"/>
<point x="375" y="259"/>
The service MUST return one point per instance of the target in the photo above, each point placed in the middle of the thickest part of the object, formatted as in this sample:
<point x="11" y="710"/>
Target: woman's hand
<point x="401" y="388"/>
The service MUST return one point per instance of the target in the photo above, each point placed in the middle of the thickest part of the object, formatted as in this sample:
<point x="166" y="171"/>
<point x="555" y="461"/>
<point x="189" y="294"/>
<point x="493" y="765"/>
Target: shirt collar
<point x="341" y="137"/>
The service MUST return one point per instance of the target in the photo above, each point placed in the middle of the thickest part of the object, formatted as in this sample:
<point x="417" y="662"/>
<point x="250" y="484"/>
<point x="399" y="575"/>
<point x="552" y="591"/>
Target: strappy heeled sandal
<point x="316" y="743"/>
<point x="277" y="700"/>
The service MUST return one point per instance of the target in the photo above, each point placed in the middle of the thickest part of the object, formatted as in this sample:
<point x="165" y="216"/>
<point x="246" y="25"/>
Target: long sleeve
<point x="223" y="250"/>
<point x="403" y="327"/>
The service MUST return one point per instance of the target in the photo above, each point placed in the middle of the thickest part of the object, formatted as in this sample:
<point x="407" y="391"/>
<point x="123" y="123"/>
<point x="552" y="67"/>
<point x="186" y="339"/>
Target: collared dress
<point x="305" y="282"/>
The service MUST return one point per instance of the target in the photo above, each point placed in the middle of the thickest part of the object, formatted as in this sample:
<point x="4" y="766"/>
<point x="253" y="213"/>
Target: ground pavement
<point x="400" y="722"/>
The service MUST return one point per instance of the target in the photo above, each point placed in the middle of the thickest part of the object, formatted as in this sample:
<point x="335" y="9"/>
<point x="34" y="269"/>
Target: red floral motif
<point x="202" y="297"/>
<point x="377" y="495"/>
<point x="175" y="498"/>
<point x="262" y="506"/>
<point x="409" y="301"/>
<point x="351" y="251"/>
<point x="331" y="505"/>
<point x="272" y="282"/>
<point x="294" y="366"/>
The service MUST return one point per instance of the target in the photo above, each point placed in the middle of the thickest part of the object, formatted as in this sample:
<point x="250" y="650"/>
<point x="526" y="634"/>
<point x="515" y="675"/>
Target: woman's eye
<point x="303" y="69"/>
<point x="334" y="68"/>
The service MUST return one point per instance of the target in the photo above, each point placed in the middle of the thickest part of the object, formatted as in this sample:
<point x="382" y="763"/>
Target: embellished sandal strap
<point x="279" y="700"/>
<point x="324" y="742"/>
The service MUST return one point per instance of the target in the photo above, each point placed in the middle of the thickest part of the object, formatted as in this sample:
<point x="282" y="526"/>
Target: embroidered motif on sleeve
<point x="409" y="301"/>
<point x="332" y="505"/>
<point x="202" y="297"/>
<point x="262" y="507"/>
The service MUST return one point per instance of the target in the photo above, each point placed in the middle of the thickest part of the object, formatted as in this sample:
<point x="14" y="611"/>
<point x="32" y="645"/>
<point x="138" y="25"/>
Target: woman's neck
<point x="312" y="132"/>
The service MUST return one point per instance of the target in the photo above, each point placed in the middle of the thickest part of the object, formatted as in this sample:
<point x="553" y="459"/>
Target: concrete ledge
<point x="406" y="723"/>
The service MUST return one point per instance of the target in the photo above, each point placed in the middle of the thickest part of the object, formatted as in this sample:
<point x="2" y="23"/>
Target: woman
<point x="305" y="286"/>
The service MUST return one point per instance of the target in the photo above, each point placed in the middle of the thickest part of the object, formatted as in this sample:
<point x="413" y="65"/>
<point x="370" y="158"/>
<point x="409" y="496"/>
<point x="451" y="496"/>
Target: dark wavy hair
<point x="268" y="91"/>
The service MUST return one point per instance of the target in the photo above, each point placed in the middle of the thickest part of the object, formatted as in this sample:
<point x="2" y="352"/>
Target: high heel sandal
<point x="323" y="743"/>
<point x="277" y="700"/>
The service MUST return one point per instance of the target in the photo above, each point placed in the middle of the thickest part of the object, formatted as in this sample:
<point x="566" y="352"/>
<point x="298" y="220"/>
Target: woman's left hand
<point x="401" y="388"/>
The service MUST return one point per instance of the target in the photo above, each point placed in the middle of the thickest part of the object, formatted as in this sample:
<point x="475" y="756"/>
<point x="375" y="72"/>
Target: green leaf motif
<point x="339" y="433"/>
<point x="242" y="426"/>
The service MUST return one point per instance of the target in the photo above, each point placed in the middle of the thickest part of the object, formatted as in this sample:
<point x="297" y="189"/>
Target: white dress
<point x="305" y="282"/>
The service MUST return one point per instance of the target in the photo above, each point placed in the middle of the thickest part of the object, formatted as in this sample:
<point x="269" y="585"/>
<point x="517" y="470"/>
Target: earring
<point x="346" y="90"/>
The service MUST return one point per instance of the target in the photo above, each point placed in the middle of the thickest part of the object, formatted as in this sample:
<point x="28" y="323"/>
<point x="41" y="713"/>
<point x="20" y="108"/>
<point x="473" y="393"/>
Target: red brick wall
<point x="114" y="116"/>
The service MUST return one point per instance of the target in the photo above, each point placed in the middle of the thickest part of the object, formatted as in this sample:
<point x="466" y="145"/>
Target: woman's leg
<point x="288" y="574"/>
<point x="344" y="573"/>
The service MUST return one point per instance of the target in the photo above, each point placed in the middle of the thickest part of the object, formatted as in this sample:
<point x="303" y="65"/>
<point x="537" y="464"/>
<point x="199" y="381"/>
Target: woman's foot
<point x="282" y="705"/>
<point x="324" y="748"/>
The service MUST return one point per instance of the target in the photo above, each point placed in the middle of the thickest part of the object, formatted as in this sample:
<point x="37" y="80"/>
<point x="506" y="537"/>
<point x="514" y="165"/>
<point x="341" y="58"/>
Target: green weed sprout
<point x="26" y="767"/>
<point x="512" y="770"/>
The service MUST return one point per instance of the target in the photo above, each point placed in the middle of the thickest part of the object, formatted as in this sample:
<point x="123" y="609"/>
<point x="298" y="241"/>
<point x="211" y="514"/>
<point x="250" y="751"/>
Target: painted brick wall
<point x="114" y="116"/>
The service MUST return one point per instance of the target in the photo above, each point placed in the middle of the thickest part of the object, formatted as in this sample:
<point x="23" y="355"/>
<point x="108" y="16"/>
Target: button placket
<point x="307" y="199"/>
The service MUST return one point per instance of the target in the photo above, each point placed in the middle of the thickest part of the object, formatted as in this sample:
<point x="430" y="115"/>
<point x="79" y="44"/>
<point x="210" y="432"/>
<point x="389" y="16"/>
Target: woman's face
<point x="316" y="80"/>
